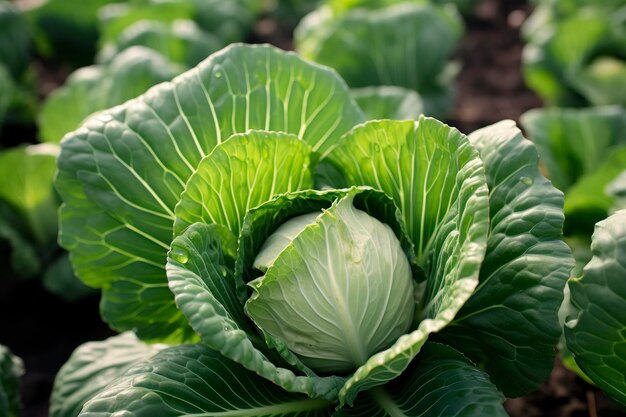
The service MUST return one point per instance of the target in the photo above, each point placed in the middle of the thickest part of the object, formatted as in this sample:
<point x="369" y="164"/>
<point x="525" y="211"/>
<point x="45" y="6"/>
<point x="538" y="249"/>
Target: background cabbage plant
<point x="248" y="214"/>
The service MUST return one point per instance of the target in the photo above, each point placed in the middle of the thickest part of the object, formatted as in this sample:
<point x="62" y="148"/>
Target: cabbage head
<point x="304" y="261"/>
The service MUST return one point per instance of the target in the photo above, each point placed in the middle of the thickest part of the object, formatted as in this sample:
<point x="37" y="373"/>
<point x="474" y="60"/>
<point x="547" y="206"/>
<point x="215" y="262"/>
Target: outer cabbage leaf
<point x="30" y="192"/>
<point x="92" y="367"/>
<point x="14" y="40"/>
<point x="573" y="142"/>
<point x="95" y="88"/>
<point x="182" y="41"/>
<point x="389" y="46"/>
<point x="509" y="326"/>
<point x="437" y="181"/>
<point x="389" y="102"/>
<point x="11" y="369"/>
<point x="440" y="382"/>
<point x="122" y="173"/>
<point x="594" y="330"/>
<point x="190" y="380"/>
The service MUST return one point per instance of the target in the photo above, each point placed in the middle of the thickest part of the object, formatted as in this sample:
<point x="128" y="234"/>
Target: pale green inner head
<point x="337" y="287"/>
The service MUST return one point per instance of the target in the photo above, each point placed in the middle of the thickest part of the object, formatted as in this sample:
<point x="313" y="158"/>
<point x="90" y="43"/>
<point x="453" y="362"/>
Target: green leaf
<point x="121" y="175"/>
<point x="509" y="326"/>
<point x="594" y="331"/>
<point x="358" y="260"/>
<point x="95" y="88"/>
<point x="182" y="41"/>
<point x="440" y="382"/>
<point x="22" y="257"/>
<point x="574" y="142"/>
<point x="60" y="280"/>
<point x="11" y="369"/>
<point x="30" y="192"/>
<point x="194" y="380"/>
<point x="388" y="102"/>
<point x="92" y="367"/>
<point x="437" y="181"/>
<point x="14" y="40"/>
<point x="244" y="171"/>
<point x="587" y="201"/>
<point x="388" y="46"/>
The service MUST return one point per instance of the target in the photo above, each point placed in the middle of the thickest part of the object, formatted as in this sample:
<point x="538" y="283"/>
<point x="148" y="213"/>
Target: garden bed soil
<point x="44" y="330"/>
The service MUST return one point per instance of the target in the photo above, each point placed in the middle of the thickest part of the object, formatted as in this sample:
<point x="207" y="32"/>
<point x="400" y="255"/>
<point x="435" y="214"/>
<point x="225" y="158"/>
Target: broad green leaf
<point x="594" y="331"/>
<point x="14" y="40"/>
<point x="200" y="273"/>
<point x="182" y="41"/>
<point x="191" y="380"/>
<point x="440" y="382"/>
<point x="388" y="46"/>
<point x="509" y="326"/>
<point x="388" y="102"/>
<point x="437" y="181"/>
<point x="356" y="258"/>
<point x="60" y="280"/>
<point x="28" y="189"/>
<point x="573" y="142"/>
<point x="11" y="369"/>
<point x="587" y="201"/>
<point x="121" y="175"/>
<point x="97" y="87"/>
<point x="92" y="367"/>
<point x="244" y="171"/>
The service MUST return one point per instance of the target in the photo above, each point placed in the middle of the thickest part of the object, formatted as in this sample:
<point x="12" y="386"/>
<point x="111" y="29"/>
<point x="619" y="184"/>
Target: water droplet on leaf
<point x="526" y="180"/>
<point x="179" y="255"/>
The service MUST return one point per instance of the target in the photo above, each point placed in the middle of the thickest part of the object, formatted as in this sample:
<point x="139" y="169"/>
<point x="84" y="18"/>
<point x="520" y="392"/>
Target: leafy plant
<point x="11" y="369"/>
<point x="594" y="327"/>
<point x="575" y="54"/>
<point x="97" y="87"/>
<point x="388" y="102"/>
<point x="182" y="41"/>
<point x="583" y="150"/>
<point x="407" y="45"/>
<point x="28" y="220"/>
<point x="319" y="264"/>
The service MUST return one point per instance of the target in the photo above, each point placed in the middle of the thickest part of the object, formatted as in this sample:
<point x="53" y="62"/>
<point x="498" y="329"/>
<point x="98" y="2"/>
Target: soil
<point x="44" y="330"/>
